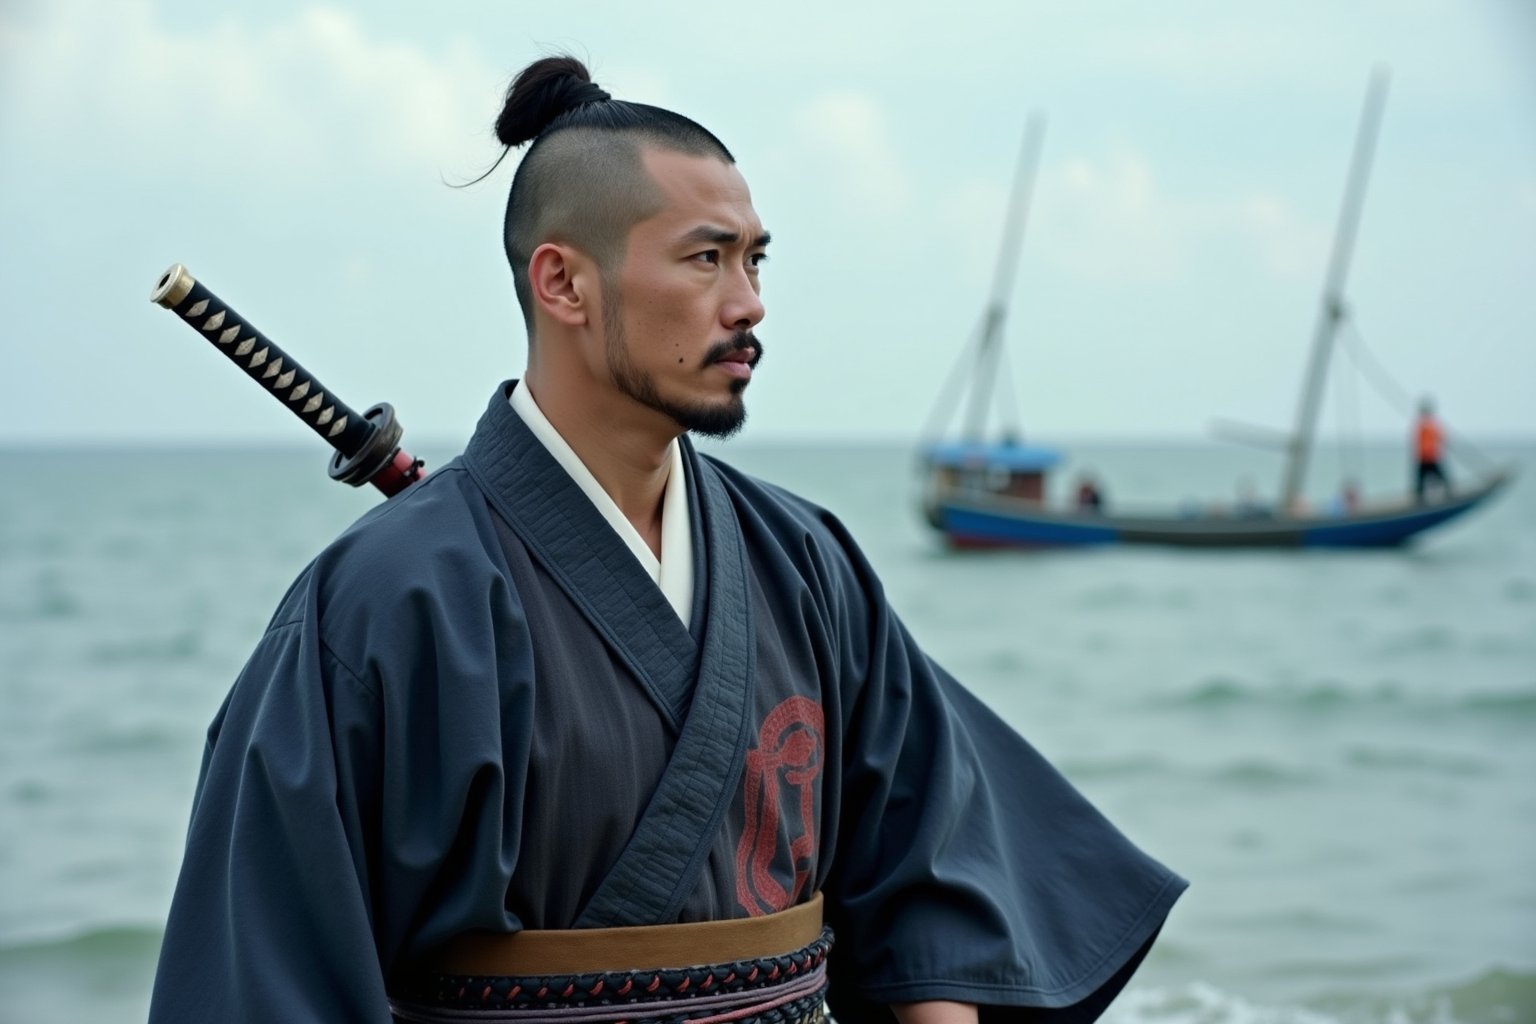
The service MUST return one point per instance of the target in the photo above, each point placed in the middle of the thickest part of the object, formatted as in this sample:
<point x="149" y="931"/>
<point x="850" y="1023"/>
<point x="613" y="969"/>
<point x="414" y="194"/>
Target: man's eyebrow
<point x="720" y="236"/>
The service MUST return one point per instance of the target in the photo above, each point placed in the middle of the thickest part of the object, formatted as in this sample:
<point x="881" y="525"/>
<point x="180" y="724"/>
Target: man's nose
<point x="743" y="308"/>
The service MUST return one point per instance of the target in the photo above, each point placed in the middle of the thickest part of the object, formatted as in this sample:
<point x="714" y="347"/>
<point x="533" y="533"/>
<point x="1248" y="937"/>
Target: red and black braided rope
<point x="643" y="990"/>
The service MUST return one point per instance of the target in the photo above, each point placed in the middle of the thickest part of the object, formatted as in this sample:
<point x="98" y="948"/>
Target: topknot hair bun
<point x="542" y="92"/>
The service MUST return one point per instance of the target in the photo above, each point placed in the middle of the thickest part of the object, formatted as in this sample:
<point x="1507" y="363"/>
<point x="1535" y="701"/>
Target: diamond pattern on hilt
<point x="338" y="427"/>
<point x="229" y="335"/>
<point x="214" y="322"/>
<point x="199" y="309"/>
<point x="299" y="392"/>
<point x="274" y="368"/>
<point x="245" y="347"/>
<point x="259" y="357"/>
<point x="325" y="416"/>
<point x="314" y="403"/>
<point x="283" y="381"/>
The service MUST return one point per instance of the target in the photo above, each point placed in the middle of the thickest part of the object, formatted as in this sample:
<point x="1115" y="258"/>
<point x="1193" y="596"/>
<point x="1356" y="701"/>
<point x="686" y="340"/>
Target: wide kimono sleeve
<point x="967" y="868"/>
<point x="360" y="793"/>
<point x="271" y="916"/>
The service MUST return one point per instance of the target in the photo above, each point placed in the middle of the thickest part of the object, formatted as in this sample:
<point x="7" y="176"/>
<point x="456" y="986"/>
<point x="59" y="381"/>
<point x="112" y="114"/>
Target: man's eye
<point x="757" y="259"/>
<point x="709" y="256"/>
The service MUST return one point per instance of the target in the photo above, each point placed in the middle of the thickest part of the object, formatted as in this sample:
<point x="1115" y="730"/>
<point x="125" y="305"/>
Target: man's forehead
<point x="700" y="192"/>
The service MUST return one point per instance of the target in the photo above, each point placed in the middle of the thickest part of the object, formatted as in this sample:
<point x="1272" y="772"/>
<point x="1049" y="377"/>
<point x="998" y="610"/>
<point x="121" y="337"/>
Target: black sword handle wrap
<point x="263" y="361"/>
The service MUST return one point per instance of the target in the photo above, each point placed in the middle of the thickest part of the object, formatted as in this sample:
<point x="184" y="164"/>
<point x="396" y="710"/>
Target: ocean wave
<point x="1006" y="662"/>
<point x="119" y="738"/>
<point x="1352" y="969"/>
<point x="85" y="946"/>
<point x="44" y="605"/>
<point x="1200" y="1003"/>
<point x="1502" y="645"/>
<point x="1421" y="641"/>
<point x="1300" y="919"/>
<point x="1520" y="591"/>
<point x="1520" y="703"/>
<point x="1435" y="882"/>
<point x="1115" y="767"/>
<point x="1253" y="773"/>
<point x="1223" y="693"/>
<point x="1118" y="596"/>
<point x="1263" y="775"/>
<point x="183" y="646"/>
<point x="1406" y="759"/>
<point x="1499" y="995"/>
<point x="29" y="791"/>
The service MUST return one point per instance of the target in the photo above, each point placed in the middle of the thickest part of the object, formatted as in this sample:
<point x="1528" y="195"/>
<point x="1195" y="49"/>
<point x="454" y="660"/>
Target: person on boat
<point x="1347" y="501"/>
<point x="1090" y="497"/>
<point x="1249" y="505"/>
<point x="591" y="725"/>
<point x="1349" y="496"/>
<point x="1429" y="450"/>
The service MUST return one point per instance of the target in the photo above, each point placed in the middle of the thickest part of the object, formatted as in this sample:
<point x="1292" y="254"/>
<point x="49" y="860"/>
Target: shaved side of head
<point x="583" y="181"/>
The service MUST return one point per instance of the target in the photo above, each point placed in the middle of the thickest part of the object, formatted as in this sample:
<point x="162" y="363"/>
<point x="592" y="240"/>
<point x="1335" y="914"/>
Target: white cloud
<point x="845" y="142"/>
<point x="1188" y="185"/>
<point x="1211" y="51"/>
<point x="311" y="93"/>
<point x="1108" y="218"/>
<point x="968" y="220"/>
<point x="1285" y="243"/>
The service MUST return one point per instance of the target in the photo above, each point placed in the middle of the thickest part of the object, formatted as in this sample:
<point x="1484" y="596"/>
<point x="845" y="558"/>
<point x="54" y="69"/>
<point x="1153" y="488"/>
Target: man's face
<point x="679" y="323"/>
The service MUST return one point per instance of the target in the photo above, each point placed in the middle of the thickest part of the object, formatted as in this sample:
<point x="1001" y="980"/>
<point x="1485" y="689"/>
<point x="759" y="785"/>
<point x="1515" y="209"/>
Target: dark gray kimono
<point x="465" y="705"/>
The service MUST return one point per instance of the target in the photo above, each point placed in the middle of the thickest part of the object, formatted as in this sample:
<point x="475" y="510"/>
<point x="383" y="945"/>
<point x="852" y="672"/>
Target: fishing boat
<point x="981" y="493"/>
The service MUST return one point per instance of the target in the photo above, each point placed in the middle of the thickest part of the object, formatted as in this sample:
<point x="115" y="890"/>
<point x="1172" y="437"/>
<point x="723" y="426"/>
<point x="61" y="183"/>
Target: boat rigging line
<point x="1376" y="374"/>
<point x="984" y="353"/>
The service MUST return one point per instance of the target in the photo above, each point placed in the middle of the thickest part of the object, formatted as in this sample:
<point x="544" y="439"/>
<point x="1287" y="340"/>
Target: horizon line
<point x="796" y="440"/>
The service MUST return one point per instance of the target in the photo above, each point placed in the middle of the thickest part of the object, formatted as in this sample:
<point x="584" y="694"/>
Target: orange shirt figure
<point x="1430" y="438"/>
<point x="1429" y="444"/>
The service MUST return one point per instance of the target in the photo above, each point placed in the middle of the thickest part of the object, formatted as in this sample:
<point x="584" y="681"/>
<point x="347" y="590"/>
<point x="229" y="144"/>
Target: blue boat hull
<point x="983" y="521"/>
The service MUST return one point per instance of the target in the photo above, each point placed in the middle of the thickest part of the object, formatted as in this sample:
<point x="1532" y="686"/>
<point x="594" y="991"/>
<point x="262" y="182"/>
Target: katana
<point x="367" y="446"/>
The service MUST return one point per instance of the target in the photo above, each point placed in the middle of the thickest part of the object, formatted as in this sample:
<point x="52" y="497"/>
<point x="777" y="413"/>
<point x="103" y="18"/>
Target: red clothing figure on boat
<point x="1429" y="446"/>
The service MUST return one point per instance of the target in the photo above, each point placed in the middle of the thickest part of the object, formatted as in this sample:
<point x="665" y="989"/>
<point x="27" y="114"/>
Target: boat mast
<point x="1332" y="310"/>
<point x="989" y="349"/>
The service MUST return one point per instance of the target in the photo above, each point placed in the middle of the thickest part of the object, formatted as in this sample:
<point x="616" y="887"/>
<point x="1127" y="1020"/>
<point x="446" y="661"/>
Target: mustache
<point x="738" y="342"/>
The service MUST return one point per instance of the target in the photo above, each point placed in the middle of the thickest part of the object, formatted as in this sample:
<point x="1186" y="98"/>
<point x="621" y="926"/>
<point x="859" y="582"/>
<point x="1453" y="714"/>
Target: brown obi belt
<point x="757" y="970"/>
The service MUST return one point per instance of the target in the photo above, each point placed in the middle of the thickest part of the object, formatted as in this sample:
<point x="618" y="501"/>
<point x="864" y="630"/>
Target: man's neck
<point x="630" y="459"/>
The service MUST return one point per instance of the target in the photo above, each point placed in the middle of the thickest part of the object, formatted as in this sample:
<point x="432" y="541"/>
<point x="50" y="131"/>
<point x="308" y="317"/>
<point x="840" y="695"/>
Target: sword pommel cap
<point x="173" y="286"/>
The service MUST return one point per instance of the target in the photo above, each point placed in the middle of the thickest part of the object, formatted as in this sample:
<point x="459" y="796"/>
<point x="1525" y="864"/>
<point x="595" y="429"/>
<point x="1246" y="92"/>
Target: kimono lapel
<point x="705" y="685"/>
<point x="586" y="558"/>
<point x="665" y="856"/>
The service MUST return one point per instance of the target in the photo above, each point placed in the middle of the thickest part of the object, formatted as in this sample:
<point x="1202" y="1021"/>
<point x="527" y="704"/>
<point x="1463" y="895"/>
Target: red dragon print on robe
<point x="780" y="783"/>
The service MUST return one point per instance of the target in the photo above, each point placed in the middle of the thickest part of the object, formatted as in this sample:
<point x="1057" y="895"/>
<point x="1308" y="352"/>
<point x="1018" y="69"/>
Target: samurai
<point x="587" y="727"/>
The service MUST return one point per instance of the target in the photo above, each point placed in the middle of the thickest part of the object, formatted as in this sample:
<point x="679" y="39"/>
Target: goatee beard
<point x="715" y="420"/>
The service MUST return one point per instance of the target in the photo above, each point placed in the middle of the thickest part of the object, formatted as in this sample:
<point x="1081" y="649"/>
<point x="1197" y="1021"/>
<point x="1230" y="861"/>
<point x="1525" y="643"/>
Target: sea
<point x="1337" y="749"/>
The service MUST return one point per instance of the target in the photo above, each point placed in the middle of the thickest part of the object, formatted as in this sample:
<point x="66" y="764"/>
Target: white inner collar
<point x="673" y="572"/>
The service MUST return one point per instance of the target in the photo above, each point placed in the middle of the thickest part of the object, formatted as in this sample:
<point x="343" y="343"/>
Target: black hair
<point x="582" y="181"/>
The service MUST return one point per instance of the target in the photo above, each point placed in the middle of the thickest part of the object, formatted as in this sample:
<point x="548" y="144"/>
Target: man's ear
<point x="561" y="278"/>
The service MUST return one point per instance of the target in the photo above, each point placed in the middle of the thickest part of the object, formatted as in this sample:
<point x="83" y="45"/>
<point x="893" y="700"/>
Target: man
<point x="587" y="726"/>
<point x="1428" y="447"/>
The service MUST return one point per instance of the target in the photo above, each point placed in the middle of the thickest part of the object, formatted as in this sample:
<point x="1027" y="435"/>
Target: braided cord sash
<point x="786" y="989"/>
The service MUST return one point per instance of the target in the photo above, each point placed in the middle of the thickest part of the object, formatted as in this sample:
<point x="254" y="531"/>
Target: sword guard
<point x="377" y="452"/>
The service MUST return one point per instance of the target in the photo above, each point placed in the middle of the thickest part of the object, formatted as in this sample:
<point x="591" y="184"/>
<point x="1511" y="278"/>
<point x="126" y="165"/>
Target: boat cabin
<point x="999" y="469"/>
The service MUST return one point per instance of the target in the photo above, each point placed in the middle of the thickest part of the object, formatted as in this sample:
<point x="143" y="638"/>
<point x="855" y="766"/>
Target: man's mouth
<point x="737" y="356"/>
<point x="738" y="364"/>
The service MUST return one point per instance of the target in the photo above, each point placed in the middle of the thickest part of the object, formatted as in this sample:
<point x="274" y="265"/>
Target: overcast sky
<point x="293" y="155"/>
